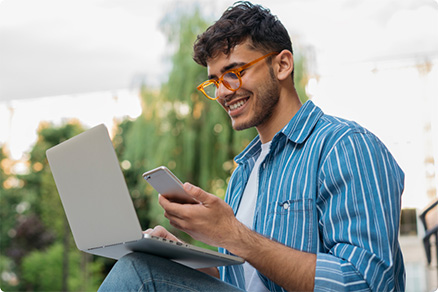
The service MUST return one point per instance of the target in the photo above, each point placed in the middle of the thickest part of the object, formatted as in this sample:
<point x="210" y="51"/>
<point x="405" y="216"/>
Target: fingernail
<point x="188" y="186"/>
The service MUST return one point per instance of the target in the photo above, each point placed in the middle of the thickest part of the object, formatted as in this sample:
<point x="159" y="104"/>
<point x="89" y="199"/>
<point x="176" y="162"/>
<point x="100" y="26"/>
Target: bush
<point x="42" y="271"/>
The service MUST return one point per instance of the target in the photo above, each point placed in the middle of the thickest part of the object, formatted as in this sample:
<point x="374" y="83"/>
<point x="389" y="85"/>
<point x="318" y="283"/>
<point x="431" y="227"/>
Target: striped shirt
<point x="328" y="187"/>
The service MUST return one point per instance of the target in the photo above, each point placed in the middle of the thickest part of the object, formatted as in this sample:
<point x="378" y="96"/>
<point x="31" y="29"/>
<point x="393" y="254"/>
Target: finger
<point x="171" y="210"/>
<point x="164" y="202"/>
<point x="197" y="193"/>
<point x="160" y="231"/>
<point x="156" y="231"/>
<point x="180" y="225"/>
<point x="148" y="231"/>
<point x="176" y="223"/>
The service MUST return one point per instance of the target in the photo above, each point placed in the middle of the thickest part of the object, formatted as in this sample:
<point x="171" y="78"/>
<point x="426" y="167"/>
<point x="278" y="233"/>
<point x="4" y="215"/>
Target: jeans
<point x="145" y="272"/>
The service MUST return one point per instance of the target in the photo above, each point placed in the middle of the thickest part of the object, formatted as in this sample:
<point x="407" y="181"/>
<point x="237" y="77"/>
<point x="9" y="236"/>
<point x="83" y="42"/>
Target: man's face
<point x="253" y="104"/>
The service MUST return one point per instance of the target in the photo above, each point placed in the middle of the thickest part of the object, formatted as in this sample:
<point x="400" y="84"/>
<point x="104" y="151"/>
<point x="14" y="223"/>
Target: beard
<point x="268" y="95"/>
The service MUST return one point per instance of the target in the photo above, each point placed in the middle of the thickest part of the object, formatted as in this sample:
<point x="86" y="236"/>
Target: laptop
<point x="100" y="210"/>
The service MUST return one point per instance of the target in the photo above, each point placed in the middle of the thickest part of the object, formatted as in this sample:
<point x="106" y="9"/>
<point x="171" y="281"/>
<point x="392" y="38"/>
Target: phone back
<point x="168" y="185"/>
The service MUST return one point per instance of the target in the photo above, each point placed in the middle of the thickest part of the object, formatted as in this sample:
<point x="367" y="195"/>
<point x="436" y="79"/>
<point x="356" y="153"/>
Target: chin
<point x="241" y="126"/>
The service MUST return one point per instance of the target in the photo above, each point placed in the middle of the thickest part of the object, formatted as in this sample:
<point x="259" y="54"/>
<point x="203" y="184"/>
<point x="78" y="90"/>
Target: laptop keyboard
<point x="167" y="240"/>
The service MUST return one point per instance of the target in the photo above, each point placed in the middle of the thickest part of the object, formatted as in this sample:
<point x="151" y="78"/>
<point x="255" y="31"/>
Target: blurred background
<point x="66" y="66"/>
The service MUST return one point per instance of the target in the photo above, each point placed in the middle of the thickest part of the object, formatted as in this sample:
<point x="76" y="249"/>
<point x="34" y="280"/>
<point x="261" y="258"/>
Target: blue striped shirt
<point x="328" y="187"/>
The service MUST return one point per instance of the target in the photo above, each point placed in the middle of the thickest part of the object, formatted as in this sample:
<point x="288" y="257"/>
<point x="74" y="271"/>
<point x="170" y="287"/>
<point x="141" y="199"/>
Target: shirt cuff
<point x="336" y="274"/>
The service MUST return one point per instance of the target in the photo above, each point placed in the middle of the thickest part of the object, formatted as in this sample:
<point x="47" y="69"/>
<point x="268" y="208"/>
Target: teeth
<point x="237" y="105"/>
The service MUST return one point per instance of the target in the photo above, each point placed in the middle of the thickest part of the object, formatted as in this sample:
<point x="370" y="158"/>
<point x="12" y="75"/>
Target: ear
<point x="285" y="64"/>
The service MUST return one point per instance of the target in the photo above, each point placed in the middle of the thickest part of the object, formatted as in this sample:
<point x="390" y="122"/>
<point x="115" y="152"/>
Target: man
<point x="314" y="203"/>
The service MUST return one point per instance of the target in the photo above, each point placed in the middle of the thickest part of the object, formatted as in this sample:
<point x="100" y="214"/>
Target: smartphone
<point x="168" y="185"/>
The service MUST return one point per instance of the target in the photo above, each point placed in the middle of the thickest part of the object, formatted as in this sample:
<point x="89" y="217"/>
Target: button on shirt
<point x="328" y="187"/>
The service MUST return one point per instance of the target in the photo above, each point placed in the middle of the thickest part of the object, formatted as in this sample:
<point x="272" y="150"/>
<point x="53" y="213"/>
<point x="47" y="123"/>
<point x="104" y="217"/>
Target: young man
<point x="315" y="201"/>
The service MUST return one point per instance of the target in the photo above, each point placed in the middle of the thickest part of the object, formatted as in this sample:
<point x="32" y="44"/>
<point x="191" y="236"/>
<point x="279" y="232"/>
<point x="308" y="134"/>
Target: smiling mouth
<point x="237" y="104"/>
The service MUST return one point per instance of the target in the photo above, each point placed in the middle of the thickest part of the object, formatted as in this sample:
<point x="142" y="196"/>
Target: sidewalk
<point x="419" y="276"/>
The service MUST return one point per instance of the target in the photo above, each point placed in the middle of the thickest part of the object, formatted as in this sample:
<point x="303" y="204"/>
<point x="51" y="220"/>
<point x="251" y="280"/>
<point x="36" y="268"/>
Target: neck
<point x="288" y="105"/>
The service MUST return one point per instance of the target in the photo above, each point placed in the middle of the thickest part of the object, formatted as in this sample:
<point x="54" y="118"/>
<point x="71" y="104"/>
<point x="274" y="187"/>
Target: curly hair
<point x="240" y="22"/>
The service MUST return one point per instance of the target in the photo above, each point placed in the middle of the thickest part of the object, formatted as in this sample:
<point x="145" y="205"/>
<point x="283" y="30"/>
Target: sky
<point x="53" y="47"/>
<point x="373" y="61"/>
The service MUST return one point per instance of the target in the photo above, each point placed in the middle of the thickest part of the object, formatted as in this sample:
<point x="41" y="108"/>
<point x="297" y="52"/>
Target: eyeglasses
<point x="231" y="79"/>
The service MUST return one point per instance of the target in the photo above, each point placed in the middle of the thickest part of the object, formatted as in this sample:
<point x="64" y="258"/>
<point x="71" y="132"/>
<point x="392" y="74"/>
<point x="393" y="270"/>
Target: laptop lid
<point x="93" y="190"/>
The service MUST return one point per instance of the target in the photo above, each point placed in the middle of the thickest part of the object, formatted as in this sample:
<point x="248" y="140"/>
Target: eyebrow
<point x="228" y="67"/>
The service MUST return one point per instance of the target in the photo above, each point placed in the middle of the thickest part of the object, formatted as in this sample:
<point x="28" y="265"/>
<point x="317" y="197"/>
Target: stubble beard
<point x="268" y="96"/>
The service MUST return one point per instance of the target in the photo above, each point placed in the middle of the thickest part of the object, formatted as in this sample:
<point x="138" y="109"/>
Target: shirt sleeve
<point x="360" y="187"/>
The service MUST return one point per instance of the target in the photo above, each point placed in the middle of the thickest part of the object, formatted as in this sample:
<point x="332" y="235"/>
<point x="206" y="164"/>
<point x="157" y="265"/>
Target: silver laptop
<point x="99" y="208"/>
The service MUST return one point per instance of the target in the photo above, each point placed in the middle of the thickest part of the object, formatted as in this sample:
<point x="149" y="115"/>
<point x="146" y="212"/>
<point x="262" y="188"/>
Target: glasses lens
<point x="210" y="89"/>
<point x="231" y="81"/>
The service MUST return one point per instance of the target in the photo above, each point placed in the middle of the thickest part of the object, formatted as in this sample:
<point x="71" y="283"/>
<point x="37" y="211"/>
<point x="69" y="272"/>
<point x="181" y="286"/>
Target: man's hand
<point x="160" y="231"/>
<point x="212" y="221"/>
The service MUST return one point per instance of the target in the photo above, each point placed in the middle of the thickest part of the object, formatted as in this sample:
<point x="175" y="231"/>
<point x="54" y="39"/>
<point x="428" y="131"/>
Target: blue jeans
<point x="145" y="272"/>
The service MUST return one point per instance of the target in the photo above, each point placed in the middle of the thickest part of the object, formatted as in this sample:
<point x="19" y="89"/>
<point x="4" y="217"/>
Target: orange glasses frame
<point x="235" y="71"/>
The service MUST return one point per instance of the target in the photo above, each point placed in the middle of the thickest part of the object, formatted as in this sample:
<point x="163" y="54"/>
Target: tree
<point x="41" y="270"/>
<point x="41" y="229"/>
<point x="50" y="208"/>
<point x="300" y="76"/>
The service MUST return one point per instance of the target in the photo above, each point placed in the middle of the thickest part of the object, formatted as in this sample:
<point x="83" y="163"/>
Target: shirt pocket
<point x="291" y="222"/>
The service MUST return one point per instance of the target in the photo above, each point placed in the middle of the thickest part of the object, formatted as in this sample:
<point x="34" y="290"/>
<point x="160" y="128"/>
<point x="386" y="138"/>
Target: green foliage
<point x="9" y="203"/>
<point x="33" y="219"/>
<point x="300" y="77"/>
<point x="8" y="280"/>
<point x="40" y="181"/>
<point x="41" y="270"/>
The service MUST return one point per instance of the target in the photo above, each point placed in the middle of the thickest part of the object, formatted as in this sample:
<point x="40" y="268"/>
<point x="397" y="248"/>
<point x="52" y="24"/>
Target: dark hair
<point x="240" y="22"/>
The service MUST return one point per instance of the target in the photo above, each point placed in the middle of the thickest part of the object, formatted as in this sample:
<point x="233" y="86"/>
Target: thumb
<point x="196" y="192"/>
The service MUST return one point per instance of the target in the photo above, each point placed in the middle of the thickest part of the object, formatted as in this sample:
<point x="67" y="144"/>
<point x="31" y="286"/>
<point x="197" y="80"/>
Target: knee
<point x="125" y="275"/>
<point x="133" y="259"/>
<point x="130" y="257"/>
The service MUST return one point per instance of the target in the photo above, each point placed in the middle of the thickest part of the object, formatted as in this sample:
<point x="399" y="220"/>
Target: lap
<point x="145" y="272"/>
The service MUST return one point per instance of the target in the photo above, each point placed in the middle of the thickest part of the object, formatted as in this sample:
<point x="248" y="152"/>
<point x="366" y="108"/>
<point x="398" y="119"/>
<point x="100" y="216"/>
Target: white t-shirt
<point x="245" y="214"/>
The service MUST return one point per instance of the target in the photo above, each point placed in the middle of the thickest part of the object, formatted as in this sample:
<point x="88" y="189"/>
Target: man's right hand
<point x="160" y="231"/>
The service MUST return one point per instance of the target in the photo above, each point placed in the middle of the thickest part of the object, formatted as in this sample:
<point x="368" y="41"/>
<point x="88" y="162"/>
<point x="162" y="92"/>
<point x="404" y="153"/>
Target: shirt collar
<point x="302" y="124"/>
<point x="297" y="130"/>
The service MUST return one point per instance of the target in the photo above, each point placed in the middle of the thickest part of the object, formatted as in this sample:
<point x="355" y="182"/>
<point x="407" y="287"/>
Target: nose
<point x="222" y="92"/>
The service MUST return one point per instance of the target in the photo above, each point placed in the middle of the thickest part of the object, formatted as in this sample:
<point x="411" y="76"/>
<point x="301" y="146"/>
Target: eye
<point x="242" y="72"/>
<point x="231" y="76"/>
